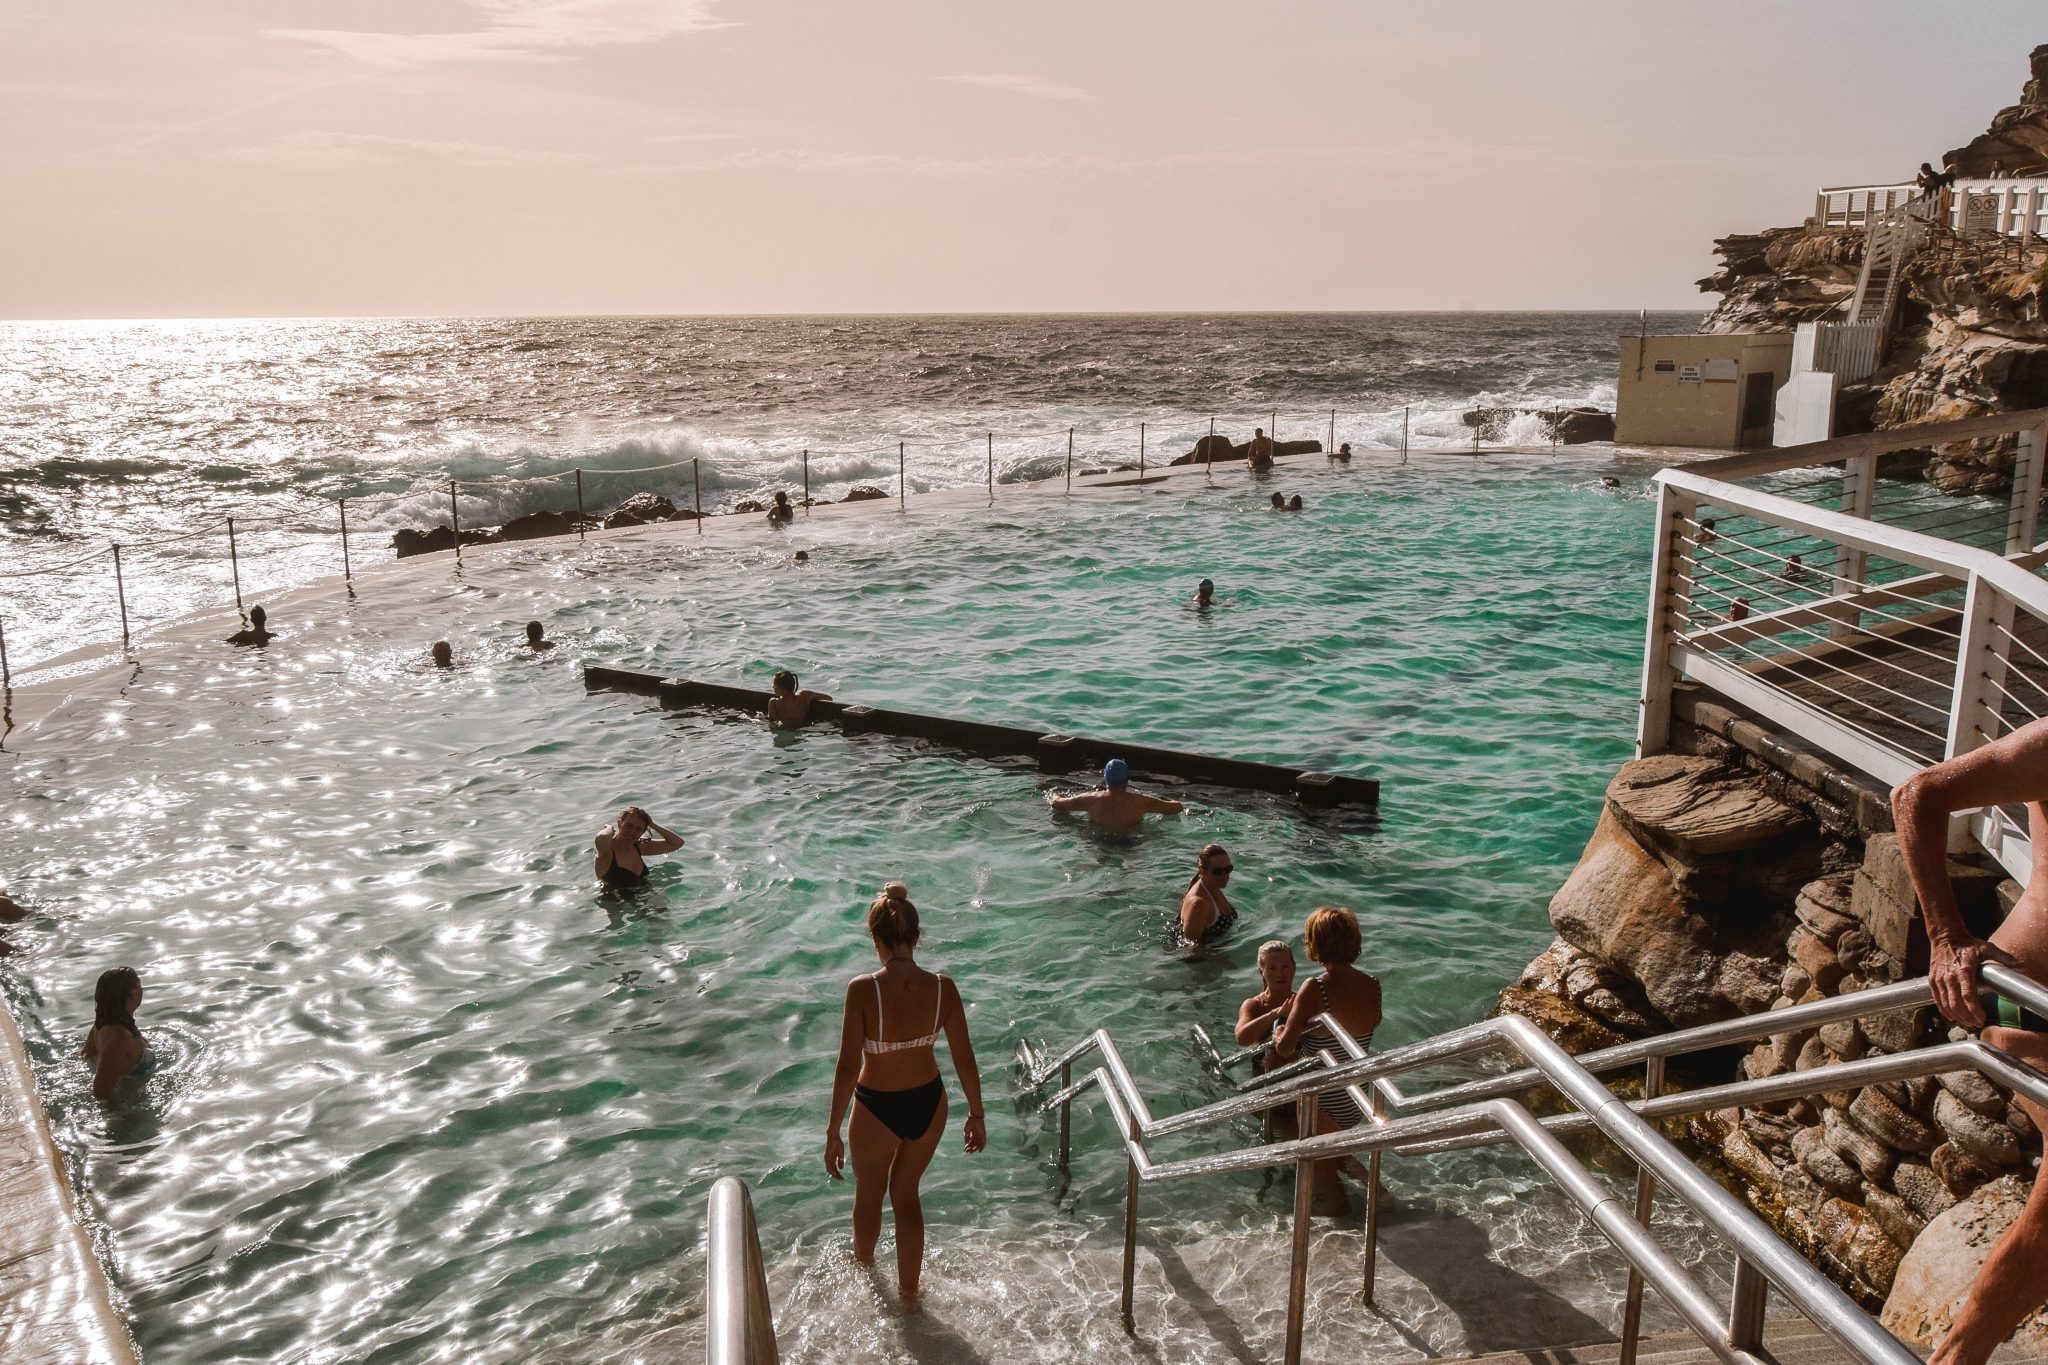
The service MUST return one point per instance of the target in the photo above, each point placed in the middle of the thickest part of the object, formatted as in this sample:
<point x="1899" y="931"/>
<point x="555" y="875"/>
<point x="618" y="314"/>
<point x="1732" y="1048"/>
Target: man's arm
<point x="1073" y="800"/>
<point x="809" y="695"/>
<point x="1158" y="805"/>
<point x="2014" y="768"/>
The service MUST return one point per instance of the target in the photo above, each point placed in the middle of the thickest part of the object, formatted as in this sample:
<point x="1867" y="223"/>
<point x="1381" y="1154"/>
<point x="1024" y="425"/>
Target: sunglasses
<point x="1222" y="869"/>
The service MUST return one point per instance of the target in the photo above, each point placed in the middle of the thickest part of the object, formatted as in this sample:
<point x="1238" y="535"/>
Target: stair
<point x="1892" y="242"/>
<point x="1794" y="1341"/>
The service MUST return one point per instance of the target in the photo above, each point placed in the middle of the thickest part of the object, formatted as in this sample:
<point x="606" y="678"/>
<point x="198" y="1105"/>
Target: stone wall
<point x="1742" y="873"/>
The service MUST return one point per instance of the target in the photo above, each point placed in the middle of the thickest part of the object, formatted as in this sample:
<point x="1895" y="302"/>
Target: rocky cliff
<point x="1972" y="337"/>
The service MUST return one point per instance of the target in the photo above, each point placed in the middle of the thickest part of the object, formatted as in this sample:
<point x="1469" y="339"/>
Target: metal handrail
<point x="1473" y="1114"/>
<point x="739" y="1322"/>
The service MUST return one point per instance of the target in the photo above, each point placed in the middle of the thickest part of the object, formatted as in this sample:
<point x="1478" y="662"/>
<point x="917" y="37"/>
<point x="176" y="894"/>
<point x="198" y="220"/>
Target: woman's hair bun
<point x="896" y="891"/>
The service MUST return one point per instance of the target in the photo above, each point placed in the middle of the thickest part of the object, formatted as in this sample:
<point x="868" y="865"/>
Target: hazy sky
<point x="246" y="157"/>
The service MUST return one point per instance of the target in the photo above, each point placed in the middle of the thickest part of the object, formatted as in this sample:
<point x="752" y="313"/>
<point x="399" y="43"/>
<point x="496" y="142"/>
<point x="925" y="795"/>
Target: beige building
<point x="1711" y="391"/>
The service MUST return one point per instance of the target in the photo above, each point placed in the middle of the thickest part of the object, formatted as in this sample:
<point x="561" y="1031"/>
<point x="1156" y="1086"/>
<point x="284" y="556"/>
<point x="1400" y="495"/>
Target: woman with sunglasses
<point x="1206" y="914"/>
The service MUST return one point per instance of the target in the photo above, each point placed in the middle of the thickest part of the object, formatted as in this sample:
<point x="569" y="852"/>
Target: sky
<point x="232" y="158"/>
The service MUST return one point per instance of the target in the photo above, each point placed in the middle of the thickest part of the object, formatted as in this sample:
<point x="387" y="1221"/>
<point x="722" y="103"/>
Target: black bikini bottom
<point x="906" y="1113"/>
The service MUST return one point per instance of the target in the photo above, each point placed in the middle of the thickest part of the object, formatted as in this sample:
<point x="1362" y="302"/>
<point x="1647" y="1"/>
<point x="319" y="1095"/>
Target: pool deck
<point x="60" y="1303"/>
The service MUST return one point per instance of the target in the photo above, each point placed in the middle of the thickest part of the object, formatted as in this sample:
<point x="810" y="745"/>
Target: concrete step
<point x="1791" y="1342"/>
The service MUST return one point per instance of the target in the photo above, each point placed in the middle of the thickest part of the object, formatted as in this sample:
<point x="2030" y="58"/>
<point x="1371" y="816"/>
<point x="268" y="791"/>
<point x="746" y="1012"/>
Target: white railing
<point x="1985" y="206"/>
<point x="1887" y="625"/>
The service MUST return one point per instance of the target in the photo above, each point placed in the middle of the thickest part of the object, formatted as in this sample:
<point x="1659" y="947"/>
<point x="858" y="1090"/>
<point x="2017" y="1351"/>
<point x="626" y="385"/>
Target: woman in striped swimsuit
<point x="893" y="1086"/>
<point x="1352" y="998"/>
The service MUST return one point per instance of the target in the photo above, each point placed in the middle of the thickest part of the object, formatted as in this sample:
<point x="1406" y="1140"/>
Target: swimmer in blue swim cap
<point x="1114" y="806"/>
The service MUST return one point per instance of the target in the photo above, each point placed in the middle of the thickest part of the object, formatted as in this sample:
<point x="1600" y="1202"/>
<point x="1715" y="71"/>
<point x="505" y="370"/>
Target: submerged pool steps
<point x="1053" y="751"/>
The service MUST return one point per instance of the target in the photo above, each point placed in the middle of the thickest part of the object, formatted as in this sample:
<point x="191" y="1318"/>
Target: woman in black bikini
<point x="895" y="1077"/>
<point x="1205" y="912"/>
<point x="623" y="849"/>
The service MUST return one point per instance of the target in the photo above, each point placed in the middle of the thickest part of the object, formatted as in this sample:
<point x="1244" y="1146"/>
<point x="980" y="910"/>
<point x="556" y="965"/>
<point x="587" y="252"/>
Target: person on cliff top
<point x="789" y="706"/>
<point x="256" y="634"/>
<point x="1259" y="454"/>
<point x="114" y="1046"/>
<point x="536" y="637"/>
<point x="2014" y="1280"/>
<point x="780" y="513"/>
<point x="1113" y="806"/>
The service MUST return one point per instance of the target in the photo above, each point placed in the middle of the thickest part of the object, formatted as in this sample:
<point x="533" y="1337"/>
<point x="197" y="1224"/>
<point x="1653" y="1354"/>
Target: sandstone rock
<point x="1824" y="1163"/>
<point x="1882" y="898"/>
<point x="1750" y="1161"/>
<point x="2021" y="1125"/>
<point x="1854" y="1145"/>
<point x="1893" y="1214"/>
<point x="1975" y="1092"/>
<point x="863" y="493"/>
<point x="1577" y="426"/>
<point x="1922" y="1189"/>
<point x="1855" y="950"/>
<point x="1816" y="959"/>
<point x="750" y="505"/>
<point x="535" y="525"/>
<point x="405" y="544"/>
<point x="1987" y="1141"/>
<point x="1575" y="1030"/>
<point x="1823" y="907"/>
<point x="1793" y="984"/>
<point x="1855" y="1240"/>
<point x="1843" y="1039"/>
<point x="1812" y="1053"/>
<point x="1608" y="1007"/>
<point x="1210" y="450"/>
<point x="1936" y="1274"/>
<point x="1897" y="1031"/>
<point x="1959" y="1173"/>
<point x="1775" y="1055"/>
<point x="1878" y="1115"/>
<point x="1699" y="806"/>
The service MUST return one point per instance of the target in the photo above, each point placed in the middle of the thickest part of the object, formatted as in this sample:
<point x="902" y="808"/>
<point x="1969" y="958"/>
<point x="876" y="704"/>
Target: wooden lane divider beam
<point x="1053" y="751"/>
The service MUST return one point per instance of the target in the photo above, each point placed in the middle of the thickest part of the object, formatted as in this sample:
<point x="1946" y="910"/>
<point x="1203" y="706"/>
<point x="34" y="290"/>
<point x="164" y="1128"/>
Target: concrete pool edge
<point x="60" y="1302"/>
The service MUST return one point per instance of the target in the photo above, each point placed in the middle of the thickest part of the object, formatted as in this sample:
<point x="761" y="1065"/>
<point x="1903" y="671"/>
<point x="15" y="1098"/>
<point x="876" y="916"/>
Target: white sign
<point x="1688" y="374"/>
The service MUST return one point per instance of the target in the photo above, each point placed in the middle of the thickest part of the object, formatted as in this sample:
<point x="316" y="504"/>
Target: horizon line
<point x="847" y="313"/>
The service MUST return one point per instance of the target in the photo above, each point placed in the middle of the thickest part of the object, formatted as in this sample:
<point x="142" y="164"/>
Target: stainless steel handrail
<point x="1472" y="1114"/>
<point x="739" y="1322"/>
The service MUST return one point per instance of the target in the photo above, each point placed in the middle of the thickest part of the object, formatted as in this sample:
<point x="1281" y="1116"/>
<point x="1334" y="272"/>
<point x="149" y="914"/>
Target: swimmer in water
<point x="1205" y="595"/>
<point x="1343" y="453"/>
<point x="1795" y="569"/>
<point x="443" y="654"/>
<point x="1206" y="913"/>
<point x="789" y="707"/>
<point x="1609" y="482"/>
<point x="114" y="1046"/>
<point x="800" y="557"/>
<point x="1114" y="806"/>
<point x="1279" y="503"/>
<point x="780" y="513"/>
<point x="1259" y="1017"/>
<point x="1295" y="504"/>
<point x="536" y="637"/>
<point x="1259" y="454"/>
<point x="256" y="634"/>
<point x="623" y="850"/>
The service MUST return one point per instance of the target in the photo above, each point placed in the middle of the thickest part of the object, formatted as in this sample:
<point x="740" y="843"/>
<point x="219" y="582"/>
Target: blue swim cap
<point x="1115" y="773"/>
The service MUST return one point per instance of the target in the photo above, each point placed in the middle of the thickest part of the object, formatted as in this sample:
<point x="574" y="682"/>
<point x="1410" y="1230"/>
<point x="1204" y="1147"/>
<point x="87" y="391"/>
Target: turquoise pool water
<point x="423" y="1095"/>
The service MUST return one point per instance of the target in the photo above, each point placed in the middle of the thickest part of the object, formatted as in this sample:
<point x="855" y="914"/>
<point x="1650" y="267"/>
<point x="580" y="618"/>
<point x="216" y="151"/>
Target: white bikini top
<point x="929" y="1040"/>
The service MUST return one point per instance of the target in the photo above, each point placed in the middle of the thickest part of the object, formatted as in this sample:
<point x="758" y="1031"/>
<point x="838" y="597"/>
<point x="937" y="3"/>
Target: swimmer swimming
<point x="536" y="637"/>
<point x="1114" y="806"/>
<point x="1205" y="595"/>
<point x="623" y="849"/>
<point x="788" y="706"/>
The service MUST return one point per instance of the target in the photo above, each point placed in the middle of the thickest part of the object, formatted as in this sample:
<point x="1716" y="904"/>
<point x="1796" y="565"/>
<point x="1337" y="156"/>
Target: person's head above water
<point x="1295" y="504"/>
<point x="633" y="822"/>
<point x="892" y="919"/>
<point x="1332" y="935"/>
<point x="1258" y="431"/>
<point x="1344" y="449"/>
<point x="1205" y="591"/>
<point x="255" y="618"/>
<point x="1276" y="965"/>
<point x="802" y="556"/>
<point x="1116" y="774"/>
<point x="534" y="632"/>
<point x="444" y="653"/>
<point x="1215" y="861"/>
<point x="116" y="997"/>
<point x="781" y="498"/>
<point x="785" y="683"/>
<point x="1279" y="502"/>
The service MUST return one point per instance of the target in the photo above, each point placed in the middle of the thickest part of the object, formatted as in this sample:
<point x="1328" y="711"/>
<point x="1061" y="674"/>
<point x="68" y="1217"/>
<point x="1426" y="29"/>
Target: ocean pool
<point x="423" y="1095"/>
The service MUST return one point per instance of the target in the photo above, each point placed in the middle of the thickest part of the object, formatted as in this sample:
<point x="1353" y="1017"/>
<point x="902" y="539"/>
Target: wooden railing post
<point x="1670" y="586"/>
<point x="2026" y="491"/>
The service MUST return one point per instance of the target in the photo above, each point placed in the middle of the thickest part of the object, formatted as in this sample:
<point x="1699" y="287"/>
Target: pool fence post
<point x="1141" y="450"/>
<point x="455" y="520"/>
<point x="807" y="480"/>
<point x="991" y="466"/>
<point x="1475" y="428"/>
<point x="341" y="504"/>
<point x="902" y="499"/>
<point x="1273" y="429"/>
<point x="235" y="565"/>
<point x="1070" y="459"/>
<point x="1553" y="426"/>
<point x="6" y="678"/>
<point x="1331" y="448"/>
<point x="1209" y="454"/>
<point x="1404" y="436"/>
<point x="579" y="504"/>
<point x="121" y="598"/>
<point x="697" y="495"/>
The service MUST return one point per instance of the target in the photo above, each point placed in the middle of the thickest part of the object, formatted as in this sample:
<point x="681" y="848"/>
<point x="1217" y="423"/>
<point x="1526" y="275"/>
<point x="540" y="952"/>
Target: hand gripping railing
<point x="739" y="1324"/>
<point x="1474" y="1114"/>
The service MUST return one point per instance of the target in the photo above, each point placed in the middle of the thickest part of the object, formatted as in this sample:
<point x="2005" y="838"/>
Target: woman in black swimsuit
<point x="1205" y="912"/>
<point x="623" y="849"/>
<point x="895" y="1077"/>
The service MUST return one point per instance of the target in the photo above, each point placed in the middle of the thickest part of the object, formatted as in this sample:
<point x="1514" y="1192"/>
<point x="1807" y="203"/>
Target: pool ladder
<point x="1475" y="1114"/>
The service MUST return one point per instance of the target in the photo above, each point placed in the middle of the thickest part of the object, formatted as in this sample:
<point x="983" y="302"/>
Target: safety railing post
<point x="1131" y="1235"/>
<point x="697" y="495"/>
<point x="1553" y="426"/>
<point x="991" y="466"/>
<point x="1141" y="450"/>
<point x="1670" y="588"/>
<point x="2025" y="511"/>
<point x="902" y="496"/>
<point x="1859" y="495"/>
<point x="6" y="678"/>
<point x="1297" y="1261"/>
<point x="121" y="598"/>
<point x="1404" y="436"/>
<point x="234" y="564"/>
<point x="455" y="520"/>
<point x="1369" y="1267"/>
<point x="807" y="481"/>
<point x="1331" y="448"/>
<point x="1646" y="1191"/>
<point x="1070" y="459"/>
<point x="1475" y="430"/>
<point x="1209" y="455"/>
<point x="1066" y="1114"/>
<point x="347" y="575"/>
<point x="1746" y="1301"/>
<point x="579" y="505"/>
<point x="1976" y="705"/>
